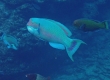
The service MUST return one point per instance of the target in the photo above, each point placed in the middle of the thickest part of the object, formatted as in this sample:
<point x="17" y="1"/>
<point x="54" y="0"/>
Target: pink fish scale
<point x="73" y="45"/>
<point x="30" y="23"/>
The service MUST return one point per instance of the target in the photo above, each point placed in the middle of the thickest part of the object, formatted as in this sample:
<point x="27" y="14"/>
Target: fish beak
<point x="30" y="29"/>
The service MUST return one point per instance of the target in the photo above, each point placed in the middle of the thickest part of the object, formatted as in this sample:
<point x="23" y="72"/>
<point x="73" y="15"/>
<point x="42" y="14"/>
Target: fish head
<point x="32" y="76"/>
<point x="34" y="22"/>
<point x="33" y="25"/>
<point x="77" y="23"/>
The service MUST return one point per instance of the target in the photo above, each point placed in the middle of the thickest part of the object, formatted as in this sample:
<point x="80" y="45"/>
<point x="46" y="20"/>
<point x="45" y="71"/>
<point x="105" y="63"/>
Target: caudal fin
<point x="73" y="47"/>
<point x="106" y="25"/>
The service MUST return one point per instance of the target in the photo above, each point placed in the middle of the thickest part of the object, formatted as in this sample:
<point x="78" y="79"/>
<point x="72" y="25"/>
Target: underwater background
<point x="91" y="61"/>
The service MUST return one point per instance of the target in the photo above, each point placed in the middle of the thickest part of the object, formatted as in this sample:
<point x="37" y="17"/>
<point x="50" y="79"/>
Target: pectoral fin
<point x="82" y="27"/>
<point x="57" y="46"/>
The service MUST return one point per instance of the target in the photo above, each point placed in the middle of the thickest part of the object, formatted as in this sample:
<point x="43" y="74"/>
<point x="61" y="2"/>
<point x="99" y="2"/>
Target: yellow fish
<point x="55" y="33"/>
<point x="90" y="25"/>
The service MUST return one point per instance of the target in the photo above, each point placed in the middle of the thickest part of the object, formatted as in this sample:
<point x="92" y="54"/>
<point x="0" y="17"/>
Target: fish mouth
<point x="30" y="29"/>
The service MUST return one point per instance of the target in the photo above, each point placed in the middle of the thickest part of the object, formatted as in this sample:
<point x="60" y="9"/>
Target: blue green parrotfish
<point x="9" y="40"/>
<point x="55" y="33"/>
<point x="90" y="25"/>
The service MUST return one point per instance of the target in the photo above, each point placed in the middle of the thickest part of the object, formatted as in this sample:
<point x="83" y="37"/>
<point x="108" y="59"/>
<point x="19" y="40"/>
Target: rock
<point x="4" y="12"/>
<point x="15" y="2"/>
<point x="103" y="77"/>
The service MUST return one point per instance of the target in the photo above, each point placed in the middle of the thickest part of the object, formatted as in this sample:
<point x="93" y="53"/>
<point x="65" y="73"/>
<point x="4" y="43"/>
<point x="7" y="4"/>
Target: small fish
<point x="10" y="41"/>
<point x="90" y="25"/>
<point x="55" y="33"/>
<point x="34" y="76"/>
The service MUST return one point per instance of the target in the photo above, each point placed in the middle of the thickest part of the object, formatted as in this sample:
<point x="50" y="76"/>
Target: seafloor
<point x="91" y="61"/>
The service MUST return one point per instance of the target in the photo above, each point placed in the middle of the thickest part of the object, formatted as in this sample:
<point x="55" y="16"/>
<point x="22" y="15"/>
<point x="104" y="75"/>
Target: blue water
<point x="91" y="61"/>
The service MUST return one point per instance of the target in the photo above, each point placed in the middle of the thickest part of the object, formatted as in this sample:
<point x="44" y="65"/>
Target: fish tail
<point x="75" y="43"/>
<point x="106" y="24"/>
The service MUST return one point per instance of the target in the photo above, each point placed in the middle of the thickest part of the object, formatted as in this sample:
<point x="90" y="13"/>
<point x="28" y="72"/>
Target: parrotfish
<point x="34" y="76"/>
<point x="9" y="40"/>
<point x="55" y="33"/>
<point x="90" y="25"/>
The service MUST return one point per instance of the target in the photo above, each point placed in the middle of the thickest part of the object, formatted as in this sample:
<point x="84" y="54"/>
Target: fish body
<point x="90" y="25"/>
<point x="49" y="31"/>
<point x="10" y="41"/>
<point x="54" y="32"/>
<point x="34" y="76"/>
